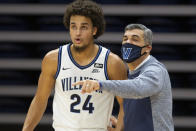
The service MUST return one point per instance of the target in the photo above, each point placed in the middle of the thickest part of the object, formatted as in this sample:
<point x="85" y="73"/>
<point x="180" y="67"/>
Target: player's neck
<point x="86" y="56"/>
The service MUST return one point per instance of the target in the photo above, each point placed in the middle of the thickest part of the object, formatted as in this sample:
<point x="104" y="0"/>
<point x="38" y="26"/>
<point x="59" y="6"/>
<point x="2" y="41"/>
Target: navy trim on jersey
<point x="86" y="66"/>
<point x="105" y="65"/>
<point x="59" y="62"/>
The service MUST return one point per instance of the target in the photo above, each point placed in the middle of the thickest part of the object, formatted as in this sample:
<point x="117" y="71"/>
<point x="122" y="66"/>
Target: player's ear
<point x="94" y="31"/>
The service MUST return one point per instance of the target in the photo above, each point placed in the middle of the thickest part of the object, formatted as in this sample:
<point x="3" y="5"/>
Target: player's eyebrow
<point x="72" y="23"/>
<point x="84" y="24"/>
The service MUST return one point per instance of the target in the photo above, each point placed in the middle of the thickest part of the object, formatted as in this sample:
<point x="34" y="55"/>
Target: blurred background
<point x="31" y="28"/>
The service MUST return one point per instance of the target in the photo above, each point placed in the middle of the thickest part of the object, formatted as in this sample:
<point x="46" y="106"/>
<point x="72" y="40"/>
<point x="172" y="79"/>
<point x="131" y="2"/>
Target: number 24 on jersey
<point x="87" y="106"/>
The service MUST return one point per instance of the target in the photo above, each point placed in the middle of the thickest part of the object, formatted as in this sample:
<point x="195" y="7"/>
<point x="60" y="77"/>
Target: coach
<point x="147" y="93"/>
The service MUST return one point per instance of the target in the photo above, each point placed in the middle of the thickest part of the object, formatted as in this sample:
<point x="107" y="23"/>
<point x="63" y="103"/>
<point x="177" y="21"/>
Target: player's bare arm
<point x="45" y="86"/>
<point x="117" y="71"/>
<point x="118" y="123"/>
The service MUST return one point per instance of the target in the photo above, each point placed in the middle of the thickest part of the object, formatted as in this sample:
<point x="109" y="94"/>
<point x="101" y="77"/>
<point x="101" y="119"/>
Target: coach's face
<point x="81" y="31"/>
<point x="136" y="37"/>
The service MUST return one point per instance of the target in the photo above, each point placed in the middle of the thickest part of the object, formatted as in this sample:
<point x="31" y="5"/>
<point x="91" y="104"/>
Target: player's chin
<point x="77" y="46"/>
<point x="80" y="47"/>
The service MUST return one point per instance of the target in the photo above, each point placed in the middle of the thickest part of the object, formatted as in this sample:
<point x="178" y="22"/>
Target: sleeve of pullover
<point x="146" y="84"/>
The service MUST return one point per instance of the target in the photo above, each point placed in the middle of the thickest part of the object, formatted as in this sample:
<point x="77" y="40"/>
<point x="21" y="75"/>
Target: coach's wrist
<point x="100" y="85"/>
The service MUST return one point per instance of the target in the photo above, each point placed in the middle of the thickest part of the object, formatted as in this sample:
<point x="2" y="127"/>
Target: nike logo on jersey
<point x="65" y="68"/>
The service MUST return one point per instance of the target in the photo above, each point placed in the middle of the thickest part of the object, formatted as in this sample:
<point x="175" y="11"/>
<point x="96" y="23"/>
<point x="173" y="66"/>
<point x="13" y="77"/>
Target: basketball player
<point x="80" y="60"/>
<point x="148" y="97"/>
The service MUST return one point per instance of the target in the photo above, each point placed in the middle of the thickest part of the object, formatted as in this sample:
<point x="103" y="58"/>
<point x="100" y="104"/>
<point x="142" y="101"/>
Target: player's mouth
<point x="77" y="40"/>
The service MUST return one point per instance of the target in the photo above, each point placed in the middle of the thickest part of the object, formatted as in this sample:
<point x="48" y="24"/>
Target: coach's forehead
<point x="134" y="33"/>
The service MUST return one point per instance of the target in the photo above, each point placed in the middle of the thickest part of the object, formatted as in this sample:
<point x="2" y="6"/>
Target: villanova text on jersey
<point x="67" y="83"/>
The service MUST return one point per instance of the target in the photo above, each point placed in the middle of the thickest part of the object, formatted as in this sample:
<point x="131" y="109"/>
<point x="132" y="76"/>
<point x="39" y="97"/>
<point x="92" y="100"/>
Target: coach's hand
<point x="88" y="85"/>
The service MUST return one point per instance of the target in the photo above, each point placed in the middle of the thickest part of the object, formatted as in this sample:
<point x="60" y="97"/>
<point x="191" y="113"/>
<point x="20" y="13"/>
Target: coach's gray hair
<point x="147" y="32"/>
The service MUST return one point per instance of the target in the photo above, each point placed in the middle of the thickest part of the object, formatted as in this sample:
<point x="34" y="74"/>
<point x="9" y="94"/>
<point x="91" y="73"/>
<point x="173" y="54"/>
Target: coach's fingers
<point x="84" y="87"/>
<point x="83" y="90"/>
<point x="78" y="83"/>
<point x="89" y="87"/>
<point x="96" y="85"/>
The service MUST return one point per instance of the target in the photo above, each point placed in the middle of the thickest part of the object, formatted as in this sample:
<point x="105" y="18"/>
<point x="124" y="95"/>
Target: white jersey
<point x="73" y="111"/>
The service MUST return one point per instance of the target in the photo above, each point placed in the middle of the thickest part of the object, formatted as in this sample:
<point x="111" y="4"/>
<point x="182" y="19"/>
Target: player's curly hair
<point x="88" y="9"/>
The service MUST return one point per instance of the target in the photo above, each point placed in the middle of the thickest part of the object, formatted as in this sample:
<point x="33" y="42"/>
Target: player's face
<point x="81" y="31"/>
<point x="135" y="37"/>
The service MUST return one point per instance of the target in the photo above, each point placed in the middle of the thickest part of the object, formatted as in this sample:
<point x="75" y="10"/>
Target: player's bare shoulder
<point x="116" y="67"/>
<point x="50" y="62"/>
<point x="115" y="61"/>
